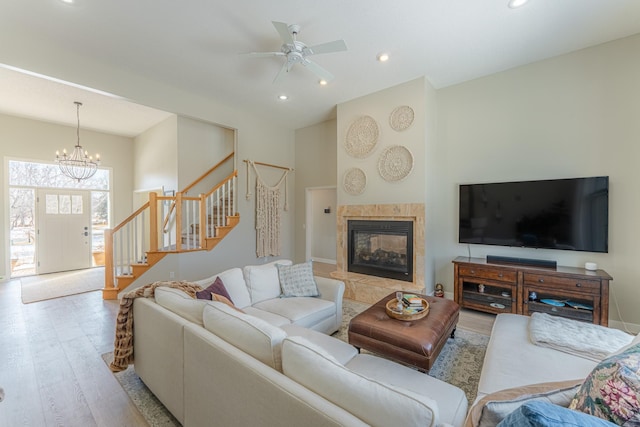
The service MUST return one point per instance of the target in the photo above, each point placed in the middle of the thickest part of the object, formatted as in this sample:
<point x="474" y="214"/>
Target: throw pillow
<point x="220" y="298"/>
<point x="297" y="280"/>
<point x="217" y="287"/>
<point x="545" y="414"/>
<point x="262" y="280"/>
<point x="494" y="407"/>
<point x="612" y="389"/>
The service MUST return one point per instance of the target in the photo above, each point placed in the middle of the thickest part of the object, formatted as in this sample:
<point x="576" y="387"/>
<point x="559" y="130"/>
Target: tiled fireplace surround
<point x="370" y="289"/>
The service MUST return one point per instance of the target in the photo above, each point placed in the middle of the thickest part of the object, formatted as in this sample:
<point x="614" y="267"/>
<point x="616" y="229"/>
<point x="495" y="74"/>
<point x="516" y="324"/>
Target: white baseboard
<point x="324" y="260"/>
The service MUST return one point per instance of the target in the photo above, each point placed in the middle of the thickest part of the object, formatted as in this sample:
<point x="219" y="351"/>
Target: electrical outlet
<point x="172" y="275"/>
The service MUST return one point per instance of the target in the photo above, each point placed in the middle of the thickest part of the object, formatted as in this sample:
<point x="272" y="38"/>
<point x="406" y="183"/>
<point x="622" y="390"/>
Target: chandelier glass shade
<point x="79" y="164"/>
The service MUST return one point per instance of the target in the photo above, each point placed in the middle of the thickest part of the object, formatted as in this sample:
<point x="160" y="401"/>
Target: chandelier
<point x="79" y="164"/>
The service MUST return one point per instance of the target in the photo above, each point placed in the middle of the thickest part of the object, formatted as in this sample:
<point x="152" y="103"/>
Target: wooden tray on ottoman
<point x="406" y="316"/>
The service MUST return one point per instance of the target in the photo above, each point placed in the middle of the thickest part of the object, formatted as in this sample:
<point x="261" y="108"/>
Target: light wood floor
<point x="51" y="367"/>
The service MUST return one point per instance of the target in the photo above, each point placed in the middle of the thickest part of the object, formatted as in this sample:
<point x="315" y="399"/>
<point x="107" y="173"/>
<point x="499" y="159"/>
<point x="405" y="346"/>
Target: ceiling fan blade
<point x="283" y="30"/>
<point x="318" y="70"/>
<point x="263" y="54"/>
<point x="281" y="73"/>
<point x="330" y="47"/>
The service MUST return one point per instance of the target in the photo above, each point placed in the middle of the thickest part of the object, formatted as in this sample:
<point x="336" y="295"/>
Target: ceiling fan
<point x="297" y="52"/>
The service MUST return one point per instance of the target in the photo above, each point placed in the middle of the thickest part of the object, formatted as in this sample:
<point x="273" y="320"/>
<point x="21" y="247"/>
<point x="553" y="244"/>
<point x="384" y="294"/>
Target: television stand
<point x="569" y="292"/>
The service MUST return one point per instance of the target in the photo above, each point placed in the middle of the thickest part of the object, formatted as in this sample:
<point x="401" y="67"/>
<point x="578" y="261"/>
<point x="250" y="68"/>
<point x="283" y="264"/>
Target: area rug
<point x="459" y="363"/>
<point x="56" y="285"/>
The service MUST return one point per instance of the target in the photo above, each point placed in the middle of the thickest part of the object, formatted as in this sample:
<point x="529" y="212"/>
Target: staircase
<point x="169" y="224"/>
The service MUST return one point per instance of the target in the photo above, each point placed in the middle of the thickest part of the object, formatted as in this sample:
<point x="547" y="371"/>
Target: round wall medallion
<point x="401" y="118"/>
<point x="354" y="181"/>
<point x="395" y="163"/>
<point x="362" y="137"/>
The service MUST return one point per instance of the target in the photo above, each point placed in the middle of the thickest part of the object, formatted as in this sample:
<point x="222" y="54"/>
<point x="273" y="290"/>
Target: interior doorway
<point x="320" y="220"/>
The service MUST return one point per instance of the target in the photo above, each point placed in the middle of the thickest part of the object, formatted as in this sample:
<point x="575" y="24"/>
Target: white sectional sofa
<point x="273" y="363"/>
<point x="515" y="370"/>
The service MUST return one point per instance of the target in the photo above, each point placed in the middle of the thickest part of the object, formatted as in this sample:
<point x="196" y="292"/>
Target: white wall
<point x="155" y="156"/>
<point x="315" y="157"/>
<point x="571" y="116"/>
<point x="27" y="139"/>
<point x="201" y="145"/>
<point x="324" y="244"/>
<point x="379" y="106"/>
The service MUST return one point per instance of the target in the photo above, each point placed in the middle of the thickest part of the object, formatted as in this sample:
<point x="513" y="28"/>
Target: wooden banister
<point x="204" y="175"/>
<point x="221" y="183"/>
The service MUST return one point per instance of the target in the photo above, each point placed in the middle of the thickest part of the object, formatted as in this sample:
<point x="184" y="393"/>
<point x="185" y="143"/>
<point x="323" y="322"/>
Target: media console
<point x="569" y="292"/>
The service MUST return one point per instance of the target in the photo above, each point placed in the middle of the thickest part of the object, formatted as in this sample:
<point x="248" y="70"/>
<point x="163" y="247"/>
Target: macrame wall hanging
<point x="267" y="209"/>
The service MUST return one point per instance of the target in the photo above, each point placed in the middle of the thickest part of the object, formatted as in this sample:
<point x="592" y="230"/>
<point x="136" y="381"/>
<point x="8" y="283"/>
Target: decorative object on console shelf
<point x="544" y="263"/>
<point x="591" y="266"/>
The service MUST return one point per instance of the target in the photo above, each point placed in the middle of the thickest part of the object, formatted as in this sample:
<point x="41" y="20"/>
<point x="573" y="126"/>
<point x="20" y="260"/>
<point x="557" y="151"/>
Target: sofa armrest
<point x="330" y="289"/>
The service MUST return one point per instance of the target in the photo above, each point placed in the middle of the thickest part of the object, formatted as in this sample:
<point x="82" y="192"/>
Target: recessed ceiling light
<point x="383" y="57"/>
<point x="67" y="1"/>
<point x="323" y="82"/>
<point x="513" y="4"/>
<point x="283" y="97"/>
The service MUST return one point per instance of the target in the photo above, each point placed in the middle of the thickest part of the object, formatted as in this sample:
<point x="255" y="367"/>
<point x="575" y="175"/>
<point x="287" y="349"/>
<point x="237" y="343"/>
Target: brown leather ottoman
<point x="416" y="342"/>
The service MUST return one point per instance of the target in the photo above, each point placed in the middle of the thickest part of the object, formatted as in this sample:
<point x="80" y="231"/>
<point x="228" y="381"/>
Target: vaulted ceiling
<point x="196" y="47"/>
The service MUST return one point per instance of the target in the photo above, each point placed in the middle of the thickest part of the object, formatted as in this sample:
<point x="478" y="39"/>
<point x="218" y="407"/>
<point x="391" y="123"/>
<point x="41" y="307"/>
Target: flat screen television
<point x="569" y="214"/>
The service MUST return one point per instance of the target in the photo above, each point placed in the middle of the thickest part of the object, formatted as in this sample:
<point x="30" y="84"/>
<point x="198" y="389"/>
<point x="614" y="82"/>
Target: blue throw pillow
<point x="543" y="414"/>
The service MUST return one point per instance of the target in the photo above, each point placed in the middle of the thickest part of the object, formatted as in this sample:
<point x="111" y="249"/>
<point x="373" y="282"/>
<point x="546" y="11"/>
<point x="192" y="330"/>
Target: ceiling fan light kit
<point x="296" y="52"/>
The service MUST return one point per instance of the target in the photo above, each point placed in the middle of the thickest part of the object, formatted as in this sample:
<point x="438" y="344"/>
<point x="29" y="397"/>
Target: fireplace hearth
<point x="381" y="248"/>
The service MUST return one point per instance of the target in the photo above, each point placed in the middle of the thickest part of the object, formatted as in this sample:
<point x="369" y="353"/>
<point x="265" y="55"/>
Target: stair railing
<point x="187" y="223"/>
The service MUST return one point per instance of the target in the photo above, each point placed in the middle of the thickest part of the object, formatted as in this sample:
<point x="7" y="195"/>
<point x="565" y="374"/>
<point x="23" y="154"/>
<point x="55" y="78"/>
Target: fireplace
<point x="381" y="248"/>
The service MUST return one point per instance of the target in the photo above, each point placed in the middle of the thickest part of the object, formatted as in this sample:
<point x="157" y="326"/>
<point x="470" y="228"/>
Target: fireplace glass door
<point x="381" y="248"/>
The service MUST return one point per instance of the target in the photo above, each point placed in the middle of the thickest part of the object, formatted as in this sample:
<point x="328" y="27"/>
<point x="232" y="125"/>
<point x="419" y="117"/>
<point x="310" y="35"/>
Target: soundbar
<point x="531" y="262"/>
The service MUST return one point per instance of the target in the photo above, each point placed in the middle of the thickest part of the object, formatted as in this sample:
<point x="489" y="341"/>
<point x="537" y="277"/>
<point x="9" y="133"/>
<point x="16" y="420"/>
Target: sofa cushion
<point x="612" y="389"/>
<point x="235" y="285"/>
<point x="452" y="402"/>
<point x="217" y="287"/>
<point x="339" y="349"/>
<point x="494" y="407"/>
<point x="545" y="414"/>
<point x="297" y="280"/>
<point x="251" y="335"/>
<point x="303" y="311"/>
<point x="262" y="280"/>
<point x="511" y="355"/>
<point x="271" y="318"/>
<point x="375" y="403"/>
<point x="180" y="303"/>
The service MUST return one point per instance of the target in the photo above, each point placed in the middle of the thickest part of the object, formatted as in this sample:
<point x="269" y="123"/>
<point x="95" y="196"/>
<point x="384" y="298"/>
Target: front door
<point x="63" y="230"/>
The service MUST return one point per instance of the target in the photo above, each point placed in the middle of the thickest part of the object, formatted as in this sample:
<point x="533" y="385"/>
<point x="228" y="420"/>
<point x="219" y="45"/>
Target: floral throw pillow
<point x="612" y="389"/>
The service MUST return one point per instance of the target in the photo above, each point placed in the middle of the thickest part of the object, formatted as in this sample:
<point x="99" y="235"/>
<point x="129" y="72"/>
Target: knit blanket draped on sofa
<point x="123" y="345"/>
